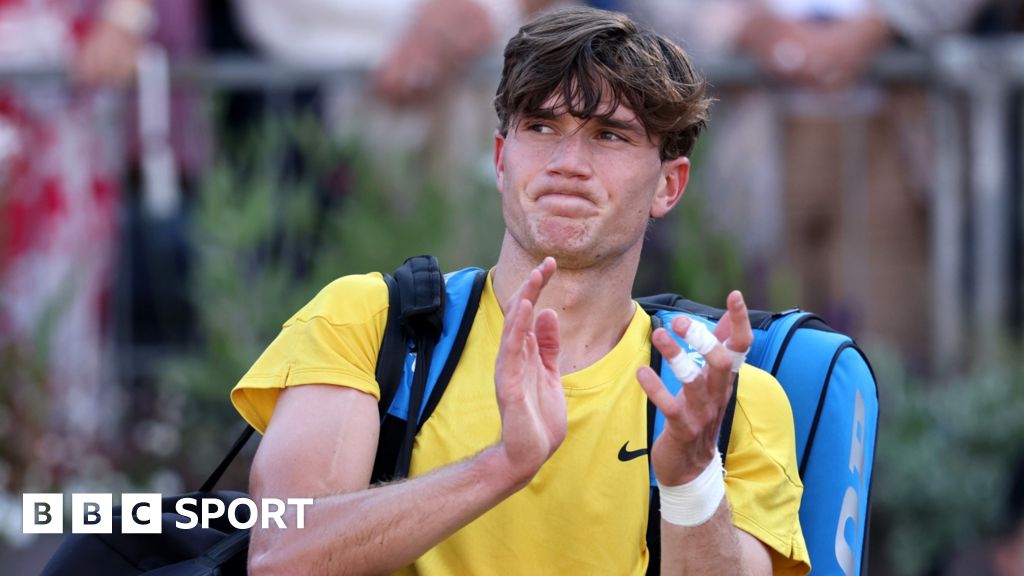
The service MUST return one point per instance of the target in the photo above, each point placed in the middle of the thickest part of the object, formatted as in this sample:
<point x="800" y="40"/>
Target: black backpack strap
<point x="415" y="307"/>
<point x="240" y="443"/>
<point x="391" y="357"/>
<point x="654" y="509"/>
<point x="724" y="433"/>
<point x="415" y="313"/>
<point x="233" y="546"/>
<point x="468" y="316"/>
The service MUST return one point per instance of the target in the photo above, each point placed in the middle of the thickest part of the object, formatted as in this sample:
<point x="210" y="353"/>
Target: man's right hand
<point x="322" y="440"/>
<point x="529" y="387"/>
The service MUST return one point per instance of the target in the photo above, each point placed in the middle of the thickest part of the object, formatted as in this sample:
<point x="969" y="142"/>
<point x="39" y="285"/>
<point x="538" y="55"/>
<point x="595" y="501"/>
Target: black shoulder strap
<point x="396" y="439"/>
<point x="416" y="314"/>
<point x="240" y="443"/>
<point x="468" y="316"/>
<point x="425" y="346"/>
<point x="415" y="308"/>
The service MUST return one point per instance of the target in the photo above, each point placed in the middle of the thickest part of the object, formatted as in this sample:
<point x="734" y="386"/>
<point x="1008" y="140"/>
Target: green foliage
<point x="276" y="220"/>
<point x="943" y="454"/>
<point x="26" y="396"/>
<point x="706" y="262"/>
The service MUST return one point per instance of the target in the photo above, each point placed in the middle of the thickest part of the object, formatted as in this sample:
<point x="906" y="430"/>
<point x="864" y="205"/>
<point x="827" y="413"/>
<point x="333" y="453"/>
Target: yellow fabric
<point x="586" y="511"/>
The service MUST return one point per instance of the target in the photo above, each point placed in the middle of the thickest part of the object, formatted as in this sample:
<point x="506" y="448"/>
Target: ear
<point x="499" y="159"/>
<point x="675" y="174"/>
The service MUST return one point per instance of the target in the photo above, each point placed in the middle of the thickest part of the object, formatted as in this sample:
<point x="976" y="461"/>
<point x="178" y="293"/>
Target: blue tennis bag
<point x="834" y="397"/>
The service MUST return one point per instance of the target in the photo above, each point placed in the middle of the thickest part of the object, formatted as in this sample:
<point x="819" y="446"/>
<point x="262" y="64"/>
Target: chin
<point x="573" y="252"/>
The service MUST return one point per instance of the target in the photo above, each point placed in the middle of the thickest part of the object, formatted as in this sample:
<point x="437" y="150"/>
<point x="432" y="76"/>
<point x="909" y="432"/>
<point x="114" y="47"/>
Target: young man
<point x="516" y="471"/>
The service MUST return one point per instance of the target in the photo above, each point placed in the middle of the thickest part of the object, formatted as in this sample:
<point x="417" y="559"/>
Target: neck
<point x="594" y="303"/>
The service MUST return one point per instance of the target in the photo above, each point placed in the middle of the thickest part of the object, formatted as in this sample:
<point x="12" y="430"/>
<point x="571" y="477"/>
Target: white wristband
<point x="695" y="502"/>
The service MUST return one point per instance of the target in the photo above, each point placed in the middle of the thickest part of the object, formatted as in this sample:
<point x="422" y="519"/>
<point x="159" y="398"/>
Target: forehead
<point x="606" y="109"/>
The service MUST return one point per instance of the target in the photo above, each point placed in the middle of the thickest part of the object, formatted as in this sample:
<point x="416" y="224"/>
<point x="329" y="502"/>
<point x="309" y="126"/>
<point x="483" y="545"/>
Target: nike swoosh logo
<point x="627" y="455"/>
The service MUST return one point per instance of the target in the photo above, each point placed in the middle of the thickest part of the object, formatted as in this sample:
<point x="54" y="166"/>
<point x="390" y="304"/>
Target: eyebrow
<point x="632" y="127"/>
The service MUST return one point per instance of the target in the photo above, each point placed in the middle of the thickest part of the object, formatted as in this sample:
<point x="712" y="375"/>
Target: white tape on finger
<point x="738" y="358"/>
<point x="685" y="369"/>
<point x="700" y="338"/>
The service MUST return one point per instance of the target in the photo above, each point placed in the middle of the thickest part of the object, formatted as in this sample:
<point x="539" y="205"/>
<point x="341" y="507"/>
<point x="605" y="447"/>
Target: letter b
<point x="91" y="513"/>
<point x="42" y="513"/>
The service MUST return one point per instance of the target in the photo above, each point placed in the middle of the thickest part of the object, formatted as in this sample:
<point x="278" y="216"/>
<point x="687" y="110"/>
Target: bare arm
<point x="322" y="440"/>
<point x="687" y="446"/>
<point x="716" y="543"/>
<point x="349" y="528"/>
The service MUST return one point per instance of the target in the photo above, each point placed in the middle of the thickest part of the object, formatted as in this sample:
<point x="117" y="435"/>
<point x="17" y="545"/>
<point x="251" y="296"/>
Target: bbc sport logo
<point x="141" y="513"/>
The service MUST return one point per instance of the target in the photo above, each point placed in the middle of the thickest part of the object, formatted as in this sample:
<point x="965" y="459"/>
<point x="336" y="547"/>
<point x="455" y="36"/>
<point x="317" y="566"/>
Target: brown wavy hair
<point x="588" y="56"/>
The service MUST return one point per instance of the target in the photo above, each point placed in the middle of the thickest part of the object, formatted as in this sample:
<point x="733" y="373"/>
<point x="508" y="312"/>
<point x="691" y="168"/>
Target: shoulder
<point x="764" y="413"/>
<point x="354" y="299"/>
<point x="334" y="339"/>
<point x="763" y="480"/>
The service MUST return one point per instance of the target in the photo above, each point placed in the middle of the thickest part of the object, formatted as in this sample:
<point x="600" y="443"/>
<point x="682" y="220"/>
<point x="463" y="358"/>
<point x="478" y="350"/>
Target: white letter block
<point x="140" y="514"/>
<point x="92" y="513"/>
<point x="42" y="513"/>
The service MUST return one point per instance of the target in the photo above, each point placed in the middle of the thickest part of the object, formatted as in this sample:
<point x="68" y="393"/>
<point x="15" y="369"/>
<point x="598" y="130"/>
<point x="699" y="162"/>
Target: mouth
<point x="566" y="204"/>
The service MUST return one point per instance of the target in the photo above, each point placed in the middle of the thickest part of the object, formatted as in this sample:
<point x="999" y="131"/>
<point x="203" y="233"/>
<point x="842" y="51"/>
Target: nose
<point x="571" y="157"/>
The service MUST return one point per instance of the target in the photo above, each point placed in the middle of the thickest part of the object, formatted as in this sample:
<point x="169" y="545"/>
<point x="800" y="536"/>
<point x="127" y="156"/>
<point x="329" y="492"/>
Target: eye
<point x="609" y="136"/>
<point x="538" y="127"/>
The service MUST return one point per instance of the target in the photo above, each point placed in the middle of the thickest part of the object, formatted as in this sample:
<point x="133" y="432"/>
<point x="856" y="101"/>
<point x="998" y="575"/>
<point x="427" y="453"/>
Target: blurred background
<point x="177" y="177"/>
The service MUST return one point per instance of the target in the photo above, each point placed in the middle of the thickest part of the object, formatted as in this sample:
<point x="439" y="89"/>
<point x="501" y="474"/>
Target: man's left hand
<point x="693" y="417"/>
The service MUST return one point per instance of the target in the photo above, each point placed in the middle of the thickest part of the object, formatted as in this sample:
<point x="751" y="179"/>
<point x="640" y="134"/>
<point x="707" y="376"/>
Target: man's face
<point x="583" y="191"/>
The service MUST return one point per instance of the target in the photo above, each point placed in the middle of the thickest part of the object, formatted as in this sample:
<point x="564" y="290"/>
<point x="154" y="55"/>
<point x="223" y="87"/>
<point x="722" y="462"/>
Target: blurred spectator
<point x="65" y="145"/>
<point x="60" y="163"/>
<point x="827" y="176"/>
<point x="411" y="106"/>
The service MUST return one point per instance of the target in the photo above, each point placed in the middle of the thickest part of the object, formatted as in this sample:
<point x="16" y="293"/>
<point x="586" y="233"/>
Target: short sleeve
<point x="334" y="339"/>
<point x="762" y="476"/>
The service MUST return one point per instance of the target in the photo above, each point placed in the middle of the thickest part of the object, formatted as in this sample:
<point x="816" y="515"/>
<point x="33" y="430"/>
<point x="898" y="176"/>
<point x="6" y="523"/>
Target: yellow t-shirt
<point x="586" y="511"/>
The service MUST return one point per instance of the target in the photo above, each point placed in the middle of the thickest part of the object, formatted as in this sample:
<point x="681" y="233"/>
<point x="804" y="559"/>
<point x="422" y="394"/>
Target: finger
<point x="515" y="301"/>
<point x="696" y="334"/>
<point x="516" y="296"/>
<point x="546" y="269"/>
<point x="704" y="391"/>
<point x="659" y="395"/>
<point x="666" y="344"/>
<point x="700" y="395"/>
<point x="514" y="341"/>
<point x="741" y="336"/>
<point x="531" y="288"/>
<point x="548" y="344"/>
